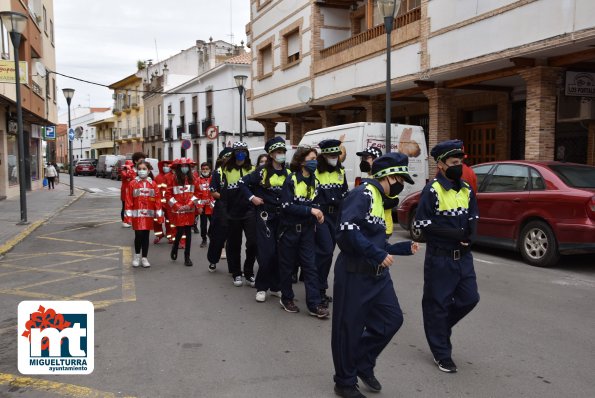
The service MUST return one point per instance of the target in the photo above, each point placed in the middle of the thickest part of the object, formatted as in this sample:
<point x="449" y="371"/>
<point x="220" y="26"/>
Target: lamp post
<point x="16" y="23"/>
<point x="170" y="120"/>
<point x="387" y="9"/>
<point x="68" y="94"/>
<point x="240" y="81"/>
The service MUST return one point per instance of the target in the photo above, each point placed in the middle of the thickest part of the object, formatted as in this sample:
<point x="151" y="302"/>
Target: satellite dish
<point x="78" y="132"/>
<point x="304" y="94"/>
<point x="40" y="69"/>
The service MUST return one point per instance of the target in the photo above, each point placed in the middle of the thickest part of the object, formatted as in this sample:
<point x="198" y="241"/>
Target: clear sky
<point x="102" y="41"/>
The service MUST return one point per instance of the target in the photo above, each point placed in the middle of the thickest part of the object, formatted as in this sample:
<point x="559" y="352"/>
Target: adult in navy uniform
<point x="366" y="311"/>
<point x="447" y="214"/>
<point x="332" y="188"/>
<point x="218" y="226"/>
<point x="262" y="187"/>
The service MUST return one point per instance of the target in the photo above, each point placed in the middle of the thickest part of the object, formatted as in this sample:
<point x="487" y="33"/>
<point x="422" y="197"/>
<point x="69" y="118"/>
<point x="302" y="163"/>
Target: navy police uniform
<point x="266" y="183"/>
<point x="366" y="310"/>
<point x="218" y="226"/>
<point x="447" y="214"/>
<point x="332" y="188"/>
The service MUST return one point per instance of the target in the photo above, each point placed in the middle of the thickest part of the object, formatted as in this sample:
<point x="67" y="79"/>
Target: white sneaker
<point x="125" y="225"/>
<point x="261" y="296"/>
<point x="145" y="263"/>
<point x="251" y="281"/>
<point x="237" y="281"/>
<point x="136" y="260"/>
<point x="277" y="293"/>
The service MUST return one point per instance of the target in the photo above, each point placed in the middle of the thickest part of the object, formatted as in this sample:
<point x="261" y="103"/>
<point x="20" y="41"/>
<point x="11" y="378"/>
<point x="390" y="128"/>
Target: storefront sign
<point x="7" y="72"/>
<point x="580" y="84"/>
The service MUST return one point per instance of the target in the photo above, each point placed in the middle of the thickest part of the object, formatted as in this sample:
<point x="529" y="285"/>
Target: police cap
<point x="392" y="163"/>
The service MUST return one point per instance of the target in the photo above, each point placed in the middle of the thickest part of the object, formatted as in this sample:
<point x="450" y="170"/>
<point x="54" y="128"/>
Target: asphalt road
<point x="175" y="331"/>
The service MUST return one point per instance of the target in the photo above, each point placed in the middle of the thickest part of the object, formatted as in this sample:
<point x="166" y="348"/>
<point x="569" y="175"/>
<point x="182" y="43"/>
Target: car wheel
<point x="415" y="233"/>
<point x="538" y="244"/>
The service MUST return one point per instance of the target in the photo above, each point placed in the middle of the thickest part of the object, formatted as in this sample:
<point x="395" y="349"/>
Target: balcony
<point x="157" y="130"/>
<point x="181" y="129"/>
<point x="167" y="134"/>
<point x="126" y="107"/>
<point x="149" y="131"/>
<point x="117" y="110"/>
<point x="406" y="27"/>
<point x="206" y="123"/>
<point x="193" y="129"/>
<point x="135" y="101"/>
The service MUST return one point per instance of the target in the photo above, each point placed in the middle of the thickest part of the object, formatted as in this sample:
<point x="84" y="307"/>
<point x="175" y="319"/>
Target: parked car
<point x="105" y="164"/>
<point x="116" y="169"/>
<point x="84" y="168"/>
<point x="542" y="209"/>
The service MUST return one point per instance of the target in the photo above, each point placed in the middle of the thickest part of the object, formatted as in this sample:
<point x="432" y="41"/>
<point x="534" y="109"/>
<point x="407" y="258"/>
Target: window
<point x="408" y="5"/>
<point x="481" y="172"/>
<point x="291" y="47"/>
<point x="194" y="109"/>
<point x="54" y="89"/>
<point x="265" y="59"/>
<point x="51" y="31"/>
<point x="575" y="176"/>
<point x="537" y="182"/>
<point x="508" y="178"/>
<point x="45" y="21"/>
<point x="5" y="42"/>
<point x="261" y="3"/>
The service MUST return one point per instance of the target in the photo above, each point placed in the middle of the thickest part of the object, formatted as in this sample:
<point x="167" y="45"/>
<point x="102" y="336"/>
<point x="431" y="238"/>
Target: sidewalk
<point x="42" y="204"/>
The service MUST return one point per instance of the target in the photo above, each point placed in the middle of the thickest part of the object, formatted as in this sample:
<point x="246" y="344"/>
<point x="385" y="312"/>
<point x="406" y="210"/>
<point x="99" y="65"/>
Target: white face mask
<point x="143" y="173"/>
<point x="166" y="169"/>
<point x="332" y="161"/>
<point x="184" y="170"/>
<point x="280" y="158"/>
<point x="205" y="173"/>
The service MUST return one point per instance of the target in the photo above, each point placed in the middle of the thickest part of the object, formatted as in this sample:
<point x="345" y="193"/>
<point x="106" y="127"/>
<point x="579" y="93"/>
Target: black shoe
<point x="203" y="243"/>
<point x="320" y="311"/>
<point x="212" y="267"/>
<point x="174" y="252"/>
<point x="325" y="300"/>
<point x="446" y="365"/>
<point x="348" y="391"/>
<point x="371" y="382"/>
<point x="188" y="262"/>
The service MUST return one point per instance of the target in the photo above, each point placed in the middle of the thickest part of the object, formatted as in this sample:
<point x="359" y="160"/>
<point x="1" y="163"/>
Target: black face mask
<point x="365" y="167"/>
<point x="395" y="189"/>
<point x="454" y="172"/>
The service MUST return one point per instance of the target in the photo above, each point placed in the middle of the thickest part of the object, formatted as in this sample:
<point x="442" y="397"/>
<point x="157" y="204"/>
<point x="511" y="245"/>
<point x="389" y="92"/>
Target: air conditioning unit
<point x="575" y="109"/>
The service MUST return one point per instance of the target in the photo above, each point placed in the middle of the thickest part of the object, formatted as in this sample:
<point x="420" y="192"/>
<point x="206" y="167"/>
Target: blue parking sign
<point x="50" y="132"/>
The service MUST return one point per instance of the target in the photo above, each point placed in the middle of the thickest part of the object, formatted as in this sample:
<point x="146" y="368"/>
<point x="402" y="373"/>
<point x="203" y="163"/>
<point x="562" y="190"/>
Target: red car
<point x="84" y="168"/>
<point x="542" y="209"/>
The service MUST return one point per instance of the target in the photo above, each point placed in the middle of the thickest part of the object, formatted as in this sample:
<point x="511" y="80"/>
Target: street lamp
<point x="170" y="119"/>
<point x="16" y="23"/>
<point x="240" y="81"/>
<point x="68" y="94"/>
<point x="387" y="9"/>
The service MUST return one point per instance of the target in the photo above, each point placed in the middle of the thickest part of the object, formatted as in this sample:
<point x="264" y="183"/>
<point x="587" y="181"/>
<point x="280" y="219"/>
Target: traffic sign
<point x="70" y="134"/>
<point x="186" y="144"/>
<point x="50" y="132"/>
<point x="212" y="132"/>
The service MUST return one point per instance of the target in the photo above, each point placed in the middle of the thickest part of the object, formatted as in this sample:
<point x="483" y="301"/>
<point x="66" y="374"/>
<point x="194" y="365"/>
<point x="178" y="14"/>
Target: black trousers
<point x="51" y="182"/>
<point x="234" y="245"/>
<point x="122" y="212"/>
<point x="217" y="233"/>
<point x="204" y="220"/>
<point x="181" y="231"/>
<point x="141" y="241"/>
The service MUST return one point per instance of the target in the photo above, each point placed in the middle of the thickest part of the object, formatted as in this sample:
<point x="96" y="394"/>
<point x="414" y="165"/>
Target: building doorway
<point x="480" y="142"/>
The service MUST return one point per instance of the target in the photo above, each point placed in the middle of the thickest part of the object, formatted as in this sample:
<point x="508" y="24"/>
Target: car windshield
<point x="84" y="163"/>
<point x="575" y="176"/>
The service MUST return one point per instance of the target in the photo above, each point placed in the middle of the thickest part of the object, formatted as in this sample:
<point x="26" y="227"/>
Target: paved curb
<point x="5" y="248"/>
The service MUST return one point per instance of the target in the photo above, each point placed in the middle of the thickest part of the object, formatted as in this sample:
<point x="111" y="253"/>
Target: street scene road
<point x="173" y="331"/>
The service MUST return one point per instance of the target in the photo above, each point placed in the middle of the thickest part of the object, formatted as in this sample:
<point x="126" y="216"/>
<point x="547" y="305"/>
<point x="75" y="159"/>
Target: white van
<point x="356" y="137"/>
<point x="105" y="164"/>
<point x="154" y="164"/>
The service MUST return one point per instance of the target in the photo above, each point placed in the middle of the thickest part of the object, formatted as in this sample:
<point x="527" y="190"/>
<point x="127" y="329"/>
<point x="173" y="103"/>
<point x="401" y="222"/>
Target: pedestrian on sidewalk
<point x="142" y="207"/>
<point x="447" y="213"/>
<point x="263" y="187"/>
<point x="366" y="312"/>
<point x="162" y="181"/>
<point x="299" y="218"/>
<point x="206" y="200"/>
<point x="50" y="174"/>
<point x="181" y="199"/>
<point x="218" y="227"/>
<point x="127" y="174"/>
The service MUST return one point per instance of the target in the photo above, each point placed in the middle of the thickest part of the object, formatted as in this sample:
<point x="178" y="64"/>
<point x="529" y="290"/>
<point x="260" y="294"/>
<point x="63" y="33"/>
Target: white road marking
<point x="94" y="189"/>
<point x="114" y="189"/>
<point x="573" y="281"/>
<point x="479" y="260"/>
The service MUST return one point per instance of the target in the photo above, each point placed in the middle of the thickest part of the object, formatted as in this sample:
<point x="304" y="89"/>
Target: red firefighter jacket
<point x="182" y="201"/>
<point x="142" y="204"/>
<point x="127" y="174"/>
<point x="207" y="202"/>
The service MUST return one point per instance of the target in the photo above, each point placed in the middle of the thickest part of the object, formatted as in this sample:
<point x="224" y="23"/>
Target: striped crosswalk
<point x="106" y="191"/>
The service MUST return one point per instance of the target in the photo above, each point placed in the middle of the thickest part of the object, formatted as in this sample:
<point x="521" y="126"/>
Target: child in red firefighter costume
<point x="181" y="199"/>
<point x="142" y="206"/>
<point x="206" y="199"/>
<point x="162" y="181"/>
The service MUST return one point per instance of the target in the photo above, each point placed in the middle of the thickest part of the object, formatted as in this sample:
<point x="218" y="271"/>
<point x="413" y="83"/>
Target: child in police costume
<point x="299" y="217"/>
<point x="366" y="313"/>
<point x="332" y="188"/>
<point x="447" y="213"/>
<point x="218" y="225"/>
<point x="263" y="188"/>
